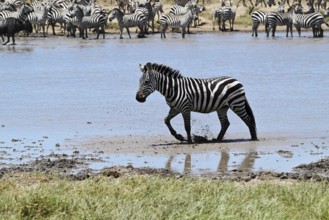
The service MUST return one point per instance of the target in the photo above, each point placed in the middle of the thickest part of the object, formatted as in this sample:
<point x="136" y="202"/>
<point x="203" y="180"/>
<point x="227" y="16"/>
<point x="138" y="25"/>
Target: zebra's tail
<point x="252" y="125"/>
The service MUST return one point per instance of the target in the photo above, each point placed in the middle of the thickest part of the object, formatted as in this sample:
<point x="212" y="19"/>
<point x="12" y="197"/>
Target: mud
<point x="76" y="169"/>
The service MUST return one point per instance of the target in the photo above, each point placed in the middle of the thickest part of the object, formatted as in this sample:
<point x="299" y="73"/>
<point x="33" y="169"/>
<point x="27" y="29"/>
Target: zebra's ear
<point x="141" y="67"/>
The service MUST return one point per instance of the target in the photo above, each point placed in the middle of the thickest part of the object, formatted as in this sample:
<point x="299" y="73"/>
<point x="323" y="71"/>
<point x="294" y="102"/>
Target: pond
<point x="55" y="91"/>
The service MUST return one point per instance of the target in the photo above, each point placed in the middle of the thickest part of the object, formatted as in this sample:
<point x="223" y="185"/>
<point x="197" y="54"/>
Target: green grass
<point x="37" y="196"/>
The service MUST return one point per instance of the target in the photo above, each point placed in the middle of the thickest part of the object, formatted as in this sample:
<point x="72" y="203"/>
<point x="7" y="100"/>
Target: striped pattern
<point x="39" y="18"/>
<point x="176" y="21"/>
<point x="126" y="21"/>
<point x="184" y="95"/>
<point x="258" y="17"/>
<point x="313" y="20"/>
<point x="83" y="22"/>
<point x="223" y="14"/>
<point x="275" y="19"/>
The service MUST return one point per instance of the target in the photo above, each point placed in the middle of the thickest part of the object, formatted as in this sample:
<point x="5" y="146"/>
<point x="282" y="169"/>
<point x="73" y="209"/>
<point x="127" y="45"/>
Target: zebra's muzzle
<point x="140" y="97"/>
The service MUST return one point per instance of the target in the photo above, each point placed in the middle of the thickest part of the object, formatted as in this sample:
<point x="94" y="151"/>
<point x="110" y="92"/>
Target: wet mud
<point x="75" y="169"/>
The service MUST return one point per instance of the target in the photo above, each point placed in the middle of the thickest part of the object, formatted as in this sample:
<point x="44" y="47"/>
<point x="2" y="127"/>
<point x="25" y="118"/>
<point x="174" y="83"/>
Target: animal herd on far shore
<point x="17" y="16"/>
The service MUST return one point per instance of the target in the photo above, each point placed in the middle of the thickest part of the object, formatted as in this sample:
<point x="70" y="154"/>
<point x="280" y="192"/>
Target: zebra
<point x="258" y="17"/>
<point x="21" y="14"/>
<point x="185" y="95"/>
<point x="126" y="21"/>
<point x="223" y="14"/>
<point x="56" y="15"/>
<point x="275" y="19"/>
<point x="176" y="21"/>
<point x="177" y="9"/>
<point x="39" y="18"/>
<point x="313" y="20"/>
<point x="93" y="21"/>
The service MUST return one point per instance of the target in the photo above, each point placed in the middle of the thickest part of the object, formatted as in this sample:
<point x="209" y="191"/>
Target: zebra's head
<point x="147" y="83"/>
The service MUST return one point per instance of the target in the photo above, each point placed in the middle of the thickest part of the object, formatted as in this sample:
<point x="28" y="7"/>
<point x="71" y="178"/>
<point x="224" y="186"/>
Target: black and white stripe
<point x="126" y="21"/>
<point x="176" y="21"/>
<point x="223" y="14"/>
<point x="21" y="14"/>
<point x="83" y="22"/>
<point x="39" y="18"/>
<point x="185" y="95"/>
<point x="258" y="17"/>
<point x="227" y="14"/>
<point x="56" y="15"/>
<point x="275" y="19"/>
<point x="313" y="20"/>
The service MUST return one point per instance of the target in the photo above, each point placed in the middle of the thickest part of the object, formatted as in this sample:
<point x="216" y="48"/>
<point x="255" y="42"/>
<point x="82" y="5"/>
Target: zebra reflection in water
<point x="246" y="164"/>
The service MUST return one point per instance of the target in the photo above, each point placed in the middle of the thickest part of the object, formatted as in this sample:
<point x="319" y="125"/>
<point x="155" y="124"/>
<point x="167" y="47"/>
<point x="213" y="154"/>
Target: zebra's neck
<point x="167" y="85"/>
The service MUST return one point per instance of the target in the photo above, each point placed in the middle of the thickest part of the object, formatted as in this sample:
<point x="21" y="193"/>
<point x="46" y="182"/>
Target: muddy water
<point x="55" y="90"/>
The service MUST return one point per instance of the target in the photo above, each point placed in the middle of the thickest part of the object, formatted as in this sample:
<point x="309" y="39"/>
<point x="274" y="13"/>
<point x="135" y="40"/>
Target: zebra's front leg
<point x="187" y="123"/>
<point x="222" y="115"/>
<point x="173" y="113"/>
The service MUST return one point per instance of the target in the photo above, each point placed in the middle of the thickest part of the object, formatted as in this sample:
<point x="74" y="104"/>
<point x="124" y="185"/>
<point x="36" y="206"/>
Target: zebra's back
<point x="259" y="17"/>
<point x="213" y="94"/>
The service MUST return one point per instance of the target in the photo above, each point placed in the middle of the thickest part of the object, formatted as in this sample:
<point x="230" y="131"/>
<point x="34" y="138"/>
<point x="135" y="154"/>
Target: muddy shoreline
<point x="73" y="159"/>
<point x="72" y="168"/>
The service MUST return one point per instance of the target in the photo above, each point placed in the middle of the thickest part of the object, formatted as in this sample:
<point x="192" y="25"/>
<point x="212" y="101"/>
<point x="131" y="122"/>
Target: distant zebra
<point x="126" y="21"/>
<point x="96" y="21"/>
<point x="56" y="15"/>
<point x="313" y="20"/>
<point x="223" y="14"/>
<point x="275" y="19"/>
<point x="39" y="18"/>
<point x="176" y="21"/>
<point x="20" y="14"/>
<point x="185" y="95"/>
<point x="182" y="10"/>
<point x="258" y="17"/>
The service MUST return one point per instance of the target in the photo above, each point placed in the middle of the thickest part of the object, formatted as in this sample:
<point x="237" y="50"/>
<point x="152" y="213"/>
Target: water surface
<point x="54" y="89"/>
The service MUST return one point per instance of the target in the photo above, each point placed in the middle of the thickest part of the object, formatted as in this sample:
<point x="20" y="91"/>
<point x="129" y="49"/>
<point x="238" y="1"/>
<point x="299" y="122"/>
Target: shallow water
<point x="53" y="89"/>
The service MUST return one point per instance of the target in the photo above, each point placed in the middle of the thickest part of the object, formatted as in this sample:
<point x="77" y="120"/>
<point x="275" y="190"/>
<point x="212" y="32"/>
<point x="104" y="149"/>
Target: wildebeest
<point x="11" y="26"/>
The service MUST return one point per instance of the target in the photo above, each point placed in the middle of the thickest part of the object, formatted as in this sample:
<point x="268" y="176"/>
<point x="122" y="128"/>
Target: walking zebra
<point x="258" y="17"/>
<point x="176" y="21"/>
<point x="126" y="21"/>
<point x="275" y="19"/>
<point x="96" y="21"/>
<point x="185" y="95"/>
<point x="313" y="20"/>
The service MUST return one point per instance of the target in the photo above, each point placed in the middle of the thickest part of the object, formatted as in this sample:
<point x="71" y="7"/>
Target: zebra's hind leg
<point x="222" y="115"/>
<point x="173" y="113"/>
<point x="244" y="111"/>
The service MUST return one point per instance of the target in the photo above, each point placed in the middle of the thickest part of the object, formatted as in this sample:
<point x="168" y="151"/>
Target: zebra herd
<point x="86" y="15"/>
<point x="295" y="16"/>
<point x="185" y="95"/>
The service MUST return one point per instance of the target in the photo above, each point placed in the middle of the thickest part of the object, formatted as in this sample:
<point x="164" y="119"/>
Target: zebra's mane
<point x="166" y="70"/>
<point x="119" y="11"/>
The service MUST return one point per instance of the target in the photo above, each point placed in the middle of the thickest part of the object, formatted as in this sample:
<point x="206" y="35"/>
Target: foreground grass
<point x="37" y="196"/>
